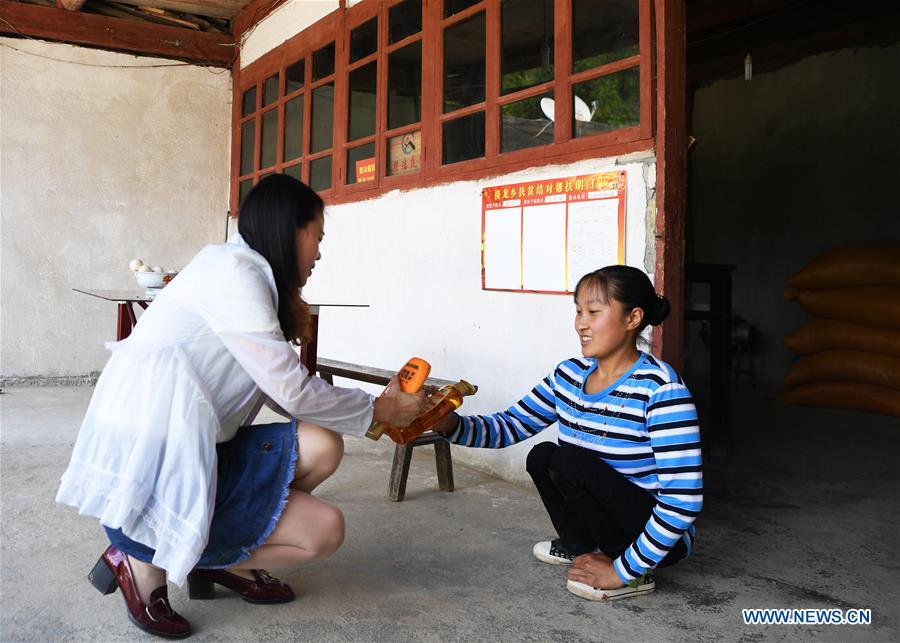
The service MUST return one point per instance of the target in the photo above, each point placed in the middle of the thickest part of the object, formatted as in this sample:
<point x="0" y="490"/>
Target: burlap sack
<point x="876" y="306"/>
<point x="846" y="395"/>
<point x="846" y="366"/>
<point x="857" y="264"/>
<point x="827" y="334"/>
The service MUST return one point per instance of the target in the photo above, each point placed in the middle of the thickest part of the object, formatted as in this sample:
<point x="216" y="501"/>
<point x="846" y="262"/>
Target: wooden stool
<point x="331" y="368"/>
<point x="403" y="455"/>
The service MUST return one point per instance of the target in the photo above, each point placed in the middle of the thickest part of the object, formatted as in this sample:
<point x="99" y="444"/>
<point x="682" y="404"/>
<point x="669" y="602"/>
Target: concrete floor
<point x="804" y="515"/>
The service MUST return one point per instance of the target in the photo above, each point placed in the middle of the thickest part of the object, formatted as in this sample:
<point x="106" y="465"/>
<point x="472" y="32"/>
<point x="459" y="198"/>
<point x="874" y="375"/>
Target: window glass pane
<point x="464" y="138"/>
<point x="455" y="6"/>
<point x="243" y="189"/>
<point x="293" y="128"/>
<point x="607" y="103"/>
<point x="362" y="101"/>
<point x="405" y="85"/>
<point x="323" y="62"/>
<point x="294" y="76"/>
<point x="248" y="130"/>
<point x="364" y="40"/>
<point x="294" y="171"/>
<point x="603" y="32"/>
<point x="320" y="173"/>
<point x="404" y="153"/>
<point x="249" y="101"/>
<point x="526" y="123"/>
<point x="322" y="117"/>
<point x="268" y="144"/>
<point x="464" y="63"/>
<point x="404" y="20"/>
<point x="526" y="36"/>
<point x="270" y="90"/>
<point x="361" y="164"/>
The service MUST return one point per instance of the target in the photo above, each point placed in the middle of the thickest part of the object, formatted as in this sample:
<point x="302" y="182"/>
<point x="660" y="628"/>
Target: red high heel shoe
<point x="264" y="588"/>
<point x="158" y="617"/>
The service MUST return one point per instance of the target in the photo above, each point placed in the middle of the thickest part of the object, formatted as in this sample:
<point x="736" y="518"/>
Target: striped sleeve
<point x="527" y="417"/>
<point x="675" y="440"/>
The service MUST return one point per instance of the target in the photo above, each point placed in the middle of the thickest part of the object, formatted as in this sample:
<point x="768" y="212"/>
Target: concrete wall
<point x="99" y="164"/>
<point x="415" y="258"/>
<point x="787" y="166"/>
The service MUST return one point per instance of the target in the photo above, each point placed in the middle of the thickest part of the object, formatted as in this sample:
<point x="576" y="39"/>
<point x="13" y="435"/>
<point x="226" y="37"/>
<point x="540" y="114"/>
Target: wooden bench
<point x="330" y="368"/>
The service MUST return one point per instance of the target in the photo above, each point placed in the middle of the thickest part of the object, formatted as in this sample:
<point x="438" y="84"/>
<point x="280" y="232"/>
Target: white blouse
<point x="201" y="357"/>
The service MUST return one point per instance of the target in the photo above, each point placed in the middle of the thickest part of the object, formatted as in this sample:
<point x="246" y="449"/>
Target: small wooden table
<point x="126" y="300"/>
<point x="127" y="319"/>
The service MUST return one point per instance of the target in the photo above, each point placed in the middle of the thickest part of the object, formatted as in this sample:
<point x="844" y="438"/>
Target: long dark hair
<point x="268" y="221"/>
<point x="632" y="288"/>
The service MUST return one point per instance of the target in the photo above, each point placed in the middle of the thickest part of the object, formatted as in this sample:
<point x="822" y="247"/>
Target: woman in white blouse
<point x="164" y="458"/>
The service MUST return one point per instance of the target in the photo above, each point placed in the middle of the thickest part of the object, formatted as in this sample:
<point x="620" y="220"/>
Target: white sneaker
<point x="552" y="552"/>
<point x="643" y="585"/>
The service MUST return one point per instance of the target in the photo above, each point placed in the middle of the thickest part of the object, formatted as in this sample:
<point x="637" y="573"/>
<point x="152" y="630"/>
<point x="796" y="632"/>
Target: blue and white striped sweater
<point x="644" y="426"/>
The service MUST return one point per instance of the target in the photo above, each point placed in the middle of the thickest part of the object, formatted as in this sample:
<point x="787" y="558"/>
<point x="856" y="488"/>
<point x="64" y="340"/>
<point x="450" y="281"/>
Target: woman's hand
<point x="595" y="570"/>
<point x="446" y="425"/>
<point x="397" y="408"/>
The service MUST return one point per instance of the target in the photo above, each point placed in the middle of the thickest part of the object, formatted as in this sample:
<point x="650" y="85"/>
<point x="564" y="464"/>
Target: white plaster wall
<point x="99" y="165"/>
<point x="415" y="258"/>
<point x="285" y="22"/>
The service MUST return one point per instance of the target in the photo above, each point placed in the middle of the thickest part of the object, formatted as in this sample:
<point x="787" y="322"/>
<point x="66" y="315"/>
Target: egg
<point x="135" y="264"/>
<point x="157" y="269"/>
<point x="145" y="268"/>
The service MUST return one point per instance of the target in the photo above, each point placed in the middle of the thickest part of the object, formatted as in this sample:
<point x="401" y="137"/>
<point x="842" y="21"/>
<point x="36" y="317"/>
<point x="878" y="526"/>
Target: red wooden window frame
<point x="337" y="27"/>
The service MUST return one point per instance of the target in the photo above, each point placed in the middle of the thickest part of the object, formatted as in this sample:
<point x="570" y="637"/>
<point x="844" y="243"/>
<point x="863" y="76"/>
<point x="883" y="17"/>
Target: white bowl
<point x="150" y="279"/>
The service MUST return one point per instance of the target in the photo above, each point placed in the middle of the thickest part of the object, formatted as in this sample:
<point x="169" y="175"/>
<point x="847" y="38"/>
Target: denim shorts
<point x="255" y="471"/>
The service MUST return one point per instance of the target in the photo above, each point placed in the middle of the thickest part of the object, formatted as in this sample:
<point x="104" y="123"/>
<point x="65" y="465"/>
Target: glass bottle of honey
<point x="412" y="376"/>
<point x="441" y="403"/>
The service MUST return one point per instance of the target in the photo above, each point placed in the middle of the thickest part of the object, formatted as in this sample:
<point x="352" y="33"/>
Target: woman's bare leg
<point x="309" y="529"/>
<point x="319" y="454"/>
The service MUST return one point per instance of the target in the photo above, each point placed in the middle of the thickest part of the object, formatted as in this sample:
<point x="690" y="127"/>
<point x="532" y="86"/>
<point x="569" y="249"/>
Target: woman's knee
<point x="538" y="460"/>
<point x="329" y="533"/>
<point x="320" y="448"/>
<point x="564" y="463"/>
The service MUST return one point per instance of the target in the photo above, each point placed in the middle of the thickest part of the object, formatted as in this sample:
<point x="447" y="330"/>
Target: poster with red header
<point x="542" y="236"/>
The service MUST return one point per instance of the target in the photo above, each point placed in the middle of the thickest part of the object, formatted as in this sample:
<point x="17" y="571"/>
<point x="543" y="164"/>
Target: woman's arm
<point x="527" y="417"/>
<point x="240" y="309"/>
<point x="675" y="439"/>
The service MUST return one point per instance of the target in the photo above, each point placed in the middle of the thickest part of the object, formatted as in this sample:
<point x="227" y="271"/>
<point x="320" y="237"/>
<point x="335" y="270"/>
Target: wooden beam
<point x="671" y="174"/>
<point x="116" y="34"/>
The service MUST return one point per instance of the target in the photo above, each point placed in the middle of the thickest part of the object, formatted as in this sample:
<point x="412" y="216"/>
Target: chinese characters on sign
<point x="365" y="170"/>
<point x="404" y="153"/>
<point x="542" y="236"/>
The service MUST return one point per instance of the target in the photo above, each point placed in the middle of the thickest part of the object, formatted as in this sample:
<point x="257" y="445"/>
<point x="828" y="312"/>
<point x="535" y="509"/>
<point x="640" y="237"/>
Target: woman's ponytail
<point x="632" y="288"/>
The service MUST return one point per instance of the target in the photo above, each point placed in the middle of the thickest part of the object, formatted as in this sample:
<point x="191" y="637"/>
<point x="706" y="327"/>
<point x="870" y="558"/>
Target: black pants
<point x="592" y="506"/>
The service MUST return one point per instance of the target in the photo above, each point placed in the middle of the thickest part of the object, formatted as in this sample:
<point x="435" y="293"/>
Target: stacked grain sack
<point x="850" y="352"/>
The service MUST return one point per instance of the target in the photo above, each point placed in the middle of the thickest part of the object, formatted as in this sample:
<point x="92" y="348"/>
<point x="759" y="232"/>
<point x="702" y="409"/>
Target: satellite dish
<point x="582" y="111"/>
<point x="548" y="107"/>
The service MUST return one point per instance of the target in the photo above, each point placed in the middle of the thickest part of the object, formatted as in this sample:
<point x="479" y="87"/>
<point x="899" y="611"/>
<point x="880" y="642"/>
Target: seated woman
<point x="623" y="484"/>
<point x="164" y="458"/>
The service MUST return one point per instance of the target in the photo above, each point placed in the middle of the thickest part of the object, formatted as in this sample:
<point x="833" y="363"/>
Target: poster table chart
<point x="126" y="318"/>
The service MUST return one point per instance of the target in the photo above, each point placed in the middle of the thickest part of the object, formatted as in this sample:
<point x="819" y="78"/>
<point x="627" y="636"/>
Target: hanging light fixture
<point x="748" y="67"/>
